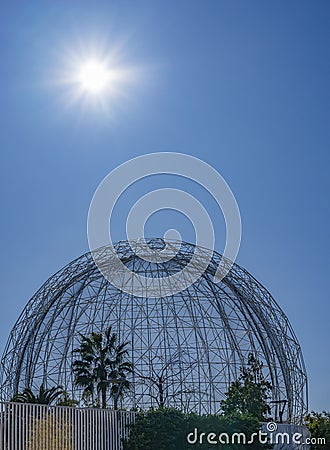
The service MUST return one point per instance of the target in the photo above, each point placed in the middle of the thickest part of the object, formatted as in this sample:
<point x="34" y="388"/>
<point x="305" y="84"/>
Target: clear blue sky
<point x="242" y="85"/>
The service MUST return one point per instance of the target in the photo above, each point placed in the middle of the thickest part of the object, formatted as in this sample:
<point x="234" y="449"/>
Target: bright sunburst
<point x="94" y="77"/>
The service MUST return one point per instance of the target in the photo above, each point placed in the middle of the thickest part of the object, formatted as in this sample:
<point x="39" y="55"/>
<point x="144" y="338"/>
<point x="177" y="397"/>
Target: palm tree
<point x="37" y="419"/>
<point x="43" y="397"/>
<point x="102" y="366"/>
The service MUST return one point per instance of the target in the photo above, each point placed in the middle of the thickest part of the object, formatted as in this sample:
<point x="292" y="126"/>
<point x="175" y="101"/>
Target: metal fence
<point x="42" y="427"/>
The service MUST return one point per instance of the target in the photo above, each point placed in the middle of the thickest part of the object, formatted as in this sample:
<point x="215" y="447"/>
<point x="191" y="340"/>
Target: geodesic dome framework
<point x="194" y="341"/>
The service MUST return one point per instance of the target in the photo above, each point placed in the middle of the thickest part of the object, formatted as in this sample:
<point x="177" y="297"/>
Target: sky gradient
<point x="242" y="85"/>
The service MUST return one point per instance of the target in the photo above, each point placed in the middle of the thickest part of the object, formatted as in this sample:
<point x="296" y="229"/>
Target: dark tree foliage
<point x="319" y="428"/>
<point x="161" y="429"/>
<point x="249" y="395"/>
<point x="243" y="410"/>
<point x="43" y="397"/>
<point x="66" y="400"/>
<point x="168" y="429"/>
<point x="102" y="366"/>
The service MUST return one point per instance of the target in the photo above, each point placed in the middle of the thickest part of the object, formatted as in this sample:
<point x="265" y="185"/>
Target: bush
<point x="319" y="428"/>
<point x="167" y="429"/>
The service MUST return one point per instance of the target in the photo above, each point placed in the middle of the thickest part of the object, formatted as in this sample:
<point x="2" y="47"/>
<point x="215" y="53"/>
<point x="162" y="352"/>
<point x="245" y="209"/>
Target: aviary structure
<point x="186" y="348"/>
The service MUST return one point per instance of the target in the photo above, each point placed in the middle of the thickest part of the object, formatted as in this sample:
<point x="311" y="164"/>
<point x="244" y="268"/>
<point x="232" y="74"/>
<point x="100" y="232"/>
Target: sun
<point x="94" y="77"/>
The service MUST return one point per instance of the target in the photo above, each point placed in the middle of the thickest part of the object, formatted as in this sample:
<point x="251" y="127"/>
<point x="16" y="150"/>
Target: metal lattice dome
<point x="197" y="339"/>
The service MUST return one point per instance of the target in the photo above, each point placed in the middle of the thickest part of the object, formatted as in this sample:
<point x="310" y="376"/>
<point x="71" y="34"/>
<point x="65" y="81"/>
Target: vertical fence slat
<point x="36" y="427"/>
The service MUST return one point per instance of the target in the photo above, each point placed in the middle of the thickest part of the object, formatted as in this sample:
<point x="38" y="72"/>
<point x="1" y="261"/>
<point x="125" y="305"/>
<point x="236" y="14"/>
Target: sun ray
<point x="94" y="78"/>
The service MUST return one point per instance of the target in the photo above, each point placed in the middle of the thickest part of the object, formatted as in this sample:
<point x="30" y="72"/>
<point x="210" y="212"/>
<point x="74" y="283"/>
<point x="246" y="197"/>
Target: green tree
<point x="168" y="429"/>
<point x="43" y="397"/>
<point x="319" y="428"/>
<point x="66" y="400"/>
<point x="161" y="429"/>
<point x="102" y="366"/>
<point x="249" y="395"/>
<point x="243" y="410"/>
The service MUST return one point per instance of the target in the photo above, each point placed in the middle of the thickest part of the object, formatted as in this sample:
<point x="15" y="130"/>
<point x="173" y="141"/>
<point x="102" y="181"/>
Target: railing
<point x="42" y="427"/>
